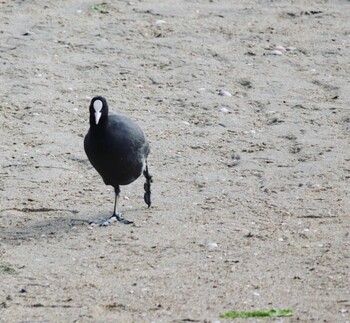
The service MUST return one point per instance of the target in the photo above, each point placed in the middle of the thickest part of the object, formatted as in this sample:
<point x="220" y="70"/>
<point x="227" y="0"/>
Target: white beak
<point x="97" y="116"/>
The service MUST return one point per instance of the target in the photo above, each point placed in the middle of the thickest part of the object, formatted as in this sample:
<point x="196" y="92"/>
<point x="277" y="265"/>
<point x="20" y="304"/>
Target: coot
<point x="118" y="150"/>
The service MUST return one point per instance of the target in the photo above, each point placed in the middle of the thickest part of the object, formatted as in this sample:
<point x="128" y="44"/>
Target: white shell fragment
<point x="276" y="52"/>
<point x="280" y="48"/>
<point x="212" y="246"/>
<point x="224" y="110"/>
<point x="224" y="93"/>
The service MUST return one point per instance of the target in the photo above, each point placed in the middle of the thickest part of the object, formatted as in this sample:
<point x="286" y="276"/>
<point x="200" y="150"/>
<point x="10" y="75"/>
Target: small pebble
<point x="185" y="122"/>
<point x="224" y="93"/>
<point x="235" y="161"/>
<point x="290" y="49"/>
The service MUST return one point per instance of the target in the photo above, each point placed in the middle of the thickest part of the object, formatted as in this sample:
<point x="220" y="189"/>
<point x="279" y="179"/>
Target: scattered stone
<point x="245" y="83"/>
<point x="250" y="53"/>
<point x="27" y="33"/>
<point x="274" y="121"/>
<point x="235" y="160"/>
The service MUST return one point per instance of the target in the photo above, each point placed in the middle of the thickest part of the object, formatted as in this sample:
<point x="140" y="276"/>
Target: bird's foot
<point x="147" y="198"/>
<point x="114" y="218"/>
<point x="117" y="217"/>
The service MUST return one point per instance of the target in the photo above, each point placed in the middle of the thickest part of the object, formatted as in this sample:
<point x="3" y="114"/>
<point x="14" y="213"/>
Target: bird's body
<point x="118" y="151"/>
<point x="117" y="148"/>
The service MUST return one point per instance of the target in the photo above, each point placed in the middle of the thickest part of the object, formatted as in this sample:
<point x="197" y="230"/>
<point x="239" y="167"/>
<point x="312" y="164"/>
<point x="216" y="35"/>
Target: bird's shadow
<point x="17" y="233"/>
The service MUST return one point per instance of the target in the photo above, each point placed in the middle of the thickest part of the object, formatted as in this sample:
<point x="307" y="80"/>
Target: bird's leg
<point x="116" y="216"/>
<point x="147" y="186"/>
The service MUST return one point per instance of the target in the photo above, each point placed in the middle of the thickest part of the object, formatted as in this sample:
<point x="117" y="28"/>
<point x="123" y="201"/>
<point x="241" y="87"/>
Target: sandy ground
<point x="251" y="186"/>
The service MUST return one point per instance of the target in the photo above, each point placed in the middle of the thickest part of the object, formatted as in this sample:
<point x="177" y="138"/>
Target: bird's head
<point x="98" y="110"/>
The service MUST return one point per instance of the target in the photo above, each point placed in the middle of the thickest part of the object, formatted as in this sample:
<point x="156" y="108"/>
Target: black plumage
<point x="118" y="150"/>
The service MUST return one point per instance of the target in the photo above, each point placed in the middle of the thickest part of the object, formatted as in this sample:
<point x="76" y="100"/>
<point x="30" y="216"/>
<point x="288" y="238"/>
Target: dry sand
<point x="262" y="176"/>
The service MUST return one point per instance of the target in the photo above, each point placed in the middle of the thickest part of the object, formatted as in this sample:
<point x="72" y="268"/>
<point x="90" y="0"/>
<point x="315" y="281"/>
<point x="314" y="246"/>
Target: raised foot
<point x="147" y="187"/>
<point x="147" y="196"/>
<point x="109" y="221"/>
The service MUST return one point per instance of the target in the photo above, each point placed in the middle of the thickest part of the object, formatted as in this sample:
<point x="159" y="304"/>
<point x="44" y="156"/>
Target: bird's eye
<point x="98" y="105"/>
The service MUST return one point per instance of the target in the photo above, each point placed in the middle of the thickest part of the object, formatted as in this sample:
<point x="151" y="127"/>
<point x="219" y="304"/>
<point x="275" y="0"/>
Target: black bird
<point x="118" y="150"/>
